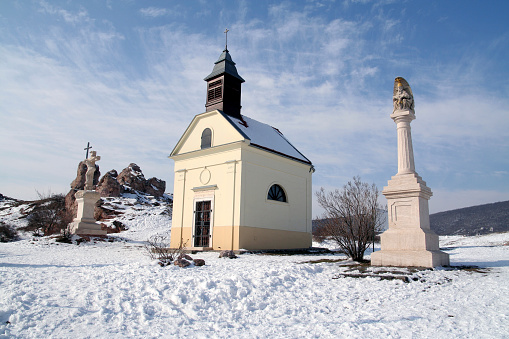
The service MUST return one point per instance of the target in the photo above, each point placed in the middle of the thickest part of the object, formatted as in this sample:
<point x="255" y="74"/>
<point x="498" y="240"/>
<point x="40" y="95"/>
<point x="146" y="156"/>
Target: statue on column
<point x="402" y="99"/>
<point x="89" y="176"/>
<point x="409" y="241"/>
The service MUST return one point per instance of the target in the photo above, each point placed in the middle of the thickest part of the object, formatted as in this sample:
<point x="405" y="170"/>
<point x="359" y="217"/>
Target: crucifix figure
<point x="87" y="148"/>
<point x="226" y="45"/>
<point x="89" y="176"/>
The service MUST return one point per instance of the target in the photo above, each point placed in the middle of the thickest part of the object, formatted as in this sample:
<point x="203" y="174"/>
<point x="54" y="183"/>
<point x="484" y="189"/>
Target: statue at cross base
<point x="89" y="176"/>
<point x="84" y="223"/>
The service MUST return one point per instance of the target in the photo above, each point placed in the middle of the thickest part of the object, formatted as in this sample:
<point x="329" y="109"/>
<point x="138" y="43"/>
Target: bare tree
<point x="352" y="216"/>
<point x="49" y="215"/>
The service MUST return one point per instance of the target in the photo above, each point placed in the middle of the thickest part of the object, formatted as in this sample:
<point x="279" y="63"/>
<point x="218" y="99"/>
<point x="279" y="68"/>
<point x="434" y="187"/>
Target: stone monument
<point x="409" y="241"/>
<point x="84" y="223"/>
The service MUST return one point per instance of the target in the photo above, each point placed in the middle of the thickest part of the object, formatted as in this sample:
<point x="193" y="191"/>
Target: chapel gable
<point x="207" y="130"/>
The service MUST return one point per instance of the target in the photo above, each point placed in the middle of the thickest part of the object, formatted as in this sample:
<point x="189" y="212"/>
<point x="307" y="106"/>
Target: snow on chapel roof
<point x="266" y="137"/>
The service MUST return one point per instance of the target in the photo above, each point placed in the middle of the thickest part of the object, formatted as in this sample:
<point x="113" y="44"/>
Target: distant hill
<point x="473" y="220"/>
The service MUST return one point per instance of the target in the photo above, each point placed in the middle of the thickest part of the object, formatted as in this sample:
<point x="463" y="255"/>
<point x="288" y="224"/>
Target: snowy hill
<point x="138" y="214"/>
<point x="114" y="290"/>
<point x="481" y="219"/>
<point x="130" y="212"/>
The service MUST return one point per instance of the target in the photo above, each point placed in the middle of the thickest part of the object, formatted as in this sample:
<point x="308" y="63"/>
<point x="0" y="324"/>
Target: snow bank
<point x="113" y="290"/>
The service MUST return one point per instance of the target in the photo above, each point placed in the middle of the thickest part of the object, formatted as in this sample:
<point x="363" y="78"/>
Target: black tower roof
<point x="225" y="65"/>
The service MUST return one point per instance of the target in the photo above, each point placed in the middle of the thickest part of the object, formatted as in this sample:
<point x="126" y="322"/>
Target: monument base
<point x="84" y="223"/>
<point x="409" y="247"/>
<point x="80" y="227"/>
<point x="422" y="258"/>
<point x="409" y="241"/>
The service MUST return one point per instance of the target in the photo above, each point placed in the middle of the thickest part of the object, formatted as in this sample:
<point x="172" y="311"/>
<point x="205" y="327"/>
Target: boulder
<point x="164" y="262"/>
<point x="185" y="256"/>
<point x="117" y="227"/>
<point x="181" y="263"/>
<point x="155" y="187"/>
<point x="227" y="254"/>
<point x="133" y="177"/>
<point x="199" y="262"/>
<point x="108" y="186"/>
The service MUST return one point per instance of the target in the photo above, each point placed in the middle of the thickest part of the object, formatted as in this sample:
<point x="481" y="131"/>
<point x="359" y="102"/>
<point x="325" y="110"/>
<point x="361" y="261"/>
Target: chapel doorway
<point x="202" y="217"/>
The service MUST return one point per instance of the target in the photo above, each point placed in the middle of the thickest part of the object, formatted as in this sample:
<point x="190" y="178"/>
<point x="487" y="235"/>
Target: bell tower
<point x="224" y="86"/>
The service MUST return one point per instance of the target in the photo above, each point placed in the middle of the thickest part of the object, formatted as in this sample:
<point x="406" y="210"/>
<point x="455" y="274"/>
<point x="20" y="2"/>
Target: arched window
<point x="277" y="193"/>
<point x="206" y="138"/>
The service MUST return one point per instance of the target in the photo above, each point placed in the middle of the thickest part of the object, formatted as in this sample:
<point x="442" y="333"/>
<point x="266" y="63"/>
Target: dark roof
<point x="226" y="65"/>
<point x="265" y="137"/>
<point x="260" y="135"/>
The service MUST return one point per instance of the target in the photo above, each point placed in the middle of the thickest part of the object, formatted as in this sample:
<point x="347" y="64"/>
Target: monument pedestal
<point x="409" y="241"/>
<point x="84" y="223"/>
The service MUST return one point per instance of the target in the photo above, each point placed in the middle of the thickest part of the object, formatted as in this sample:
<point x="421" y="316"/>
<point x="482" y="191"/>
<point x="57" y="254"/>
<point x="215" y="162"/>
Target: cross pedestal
<point x="84" y="223"/>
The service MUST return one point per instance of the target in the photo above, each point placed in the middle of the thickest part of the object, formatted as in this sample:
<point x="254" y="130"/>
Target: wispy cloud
<point x="154" y="12"/>
<point x="68" y="16"/>
<point x="326" y="83"/>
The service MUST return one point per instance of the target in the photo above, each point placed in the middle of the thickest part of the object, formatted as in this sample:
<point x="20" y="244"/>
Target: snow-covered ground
<point x="114" y="290"/>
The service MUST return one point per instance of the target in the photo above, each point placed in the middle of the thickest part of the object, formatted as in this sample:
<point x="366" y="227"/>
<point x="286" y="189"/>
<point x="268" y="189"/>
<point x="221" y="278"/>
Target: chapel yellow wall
<point x="249" y="238"/>
<point x="225" y="172"/>
<point x="261" y="170"/>
<point x="242" y="175"/>
<point x="255" y="238"/>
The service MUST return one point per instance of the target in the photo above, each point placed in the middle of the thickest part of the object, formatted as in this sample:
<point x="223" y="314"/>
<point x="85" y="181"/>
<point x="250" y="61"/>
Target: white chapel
<point x="239" y="183"/>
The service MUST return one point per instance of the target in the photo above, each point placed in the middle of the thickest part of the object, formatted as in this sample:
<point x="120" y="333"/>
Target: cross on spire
<point x="87" y="148"/>
<point x="226" y="33"/>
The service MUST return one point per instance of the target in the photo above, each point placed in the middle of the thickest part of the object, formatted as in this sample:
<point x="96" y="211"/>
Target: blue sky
<point x="128" y="77"/>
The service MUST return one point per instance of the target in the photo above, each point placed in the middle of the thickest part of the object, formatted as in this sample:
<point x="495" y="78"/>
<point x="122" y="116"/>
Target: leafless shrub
<point x="7" y="233"/>
<point x="158" y="248"/>
<point x="352" y="216"/>
<point x="49" y="215"/>
<point x="65" y="236"/>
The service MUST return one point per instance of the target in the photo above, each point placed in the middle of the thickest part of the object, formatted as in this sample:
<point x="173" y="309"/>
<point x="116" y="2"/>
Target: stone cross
<point x="89" y="176"/>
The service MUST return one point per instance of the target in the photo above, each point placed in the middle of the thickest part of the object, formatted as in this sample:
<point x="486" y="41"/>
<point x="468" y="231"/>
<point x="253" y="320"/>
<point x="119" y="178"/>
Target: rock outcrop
<point x="155" y="187"/>
<point x="109" y="186"/>
<point x="112" y="184"/>
<point x="132" y="178"/>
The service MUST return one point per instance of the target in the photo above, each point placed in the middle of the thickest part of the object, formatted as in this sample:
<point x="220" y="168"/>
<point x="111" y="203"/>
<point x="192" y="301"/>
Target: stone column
<point x="409" y="241"/>
<point x="405" y="150"/>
